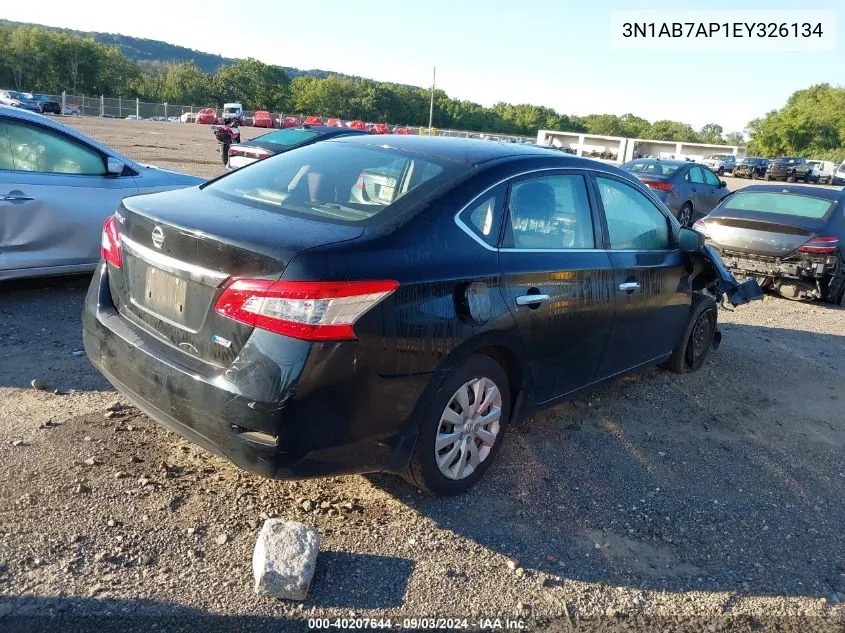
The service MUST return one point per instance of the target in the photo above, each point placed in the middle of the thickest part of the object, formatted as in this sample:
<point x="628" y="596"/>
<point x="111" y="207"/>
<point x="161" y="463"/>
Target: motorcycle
<point x="227" y="135"/>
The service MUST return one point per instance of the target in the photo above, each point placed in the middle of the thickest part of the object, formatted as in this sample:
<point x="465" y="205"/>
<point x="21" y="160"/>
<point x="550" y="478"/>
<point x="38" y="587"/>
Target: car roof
<point x="816" y="192"/>
<point x="40" y="119"/>
<point x="460" y="150"/>
<point x="663" y="161"/>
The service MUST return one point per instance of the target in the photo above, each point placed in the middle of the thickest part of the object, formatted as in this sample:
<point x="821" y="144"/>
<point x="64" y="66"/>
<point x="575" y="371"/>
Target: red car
<point x="207" y="116"/>
<point x="381" y="128"/>
<point x="262" y="118"/>
<point x="313" y="120"/>
<point x="402" y="130"/>
<point x="289" y="121"/>
<point x="357" y="125"/>
<point x="334" y="122"/>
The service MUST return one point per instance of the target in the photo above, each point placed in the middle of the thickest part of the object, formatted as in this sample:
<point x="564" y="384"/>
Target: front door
<point x="556" y="282"/>
<point x="649" y="270"/>
<point x="54" y="197"/>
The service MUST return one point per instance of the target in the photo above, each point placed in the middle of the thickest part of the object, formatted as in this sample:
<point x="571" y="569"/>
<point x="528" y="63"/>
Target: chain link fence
<point x="119" y="108"/>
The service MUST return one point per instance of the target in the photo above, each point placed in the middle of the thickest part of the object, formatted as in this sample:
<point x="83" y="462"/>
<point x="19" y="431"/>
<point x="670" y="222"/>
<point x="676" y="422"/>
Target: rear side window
<point x="633" y="221"/>
<point x="36" y="149"/>
<point x="336" y="180"/>
<point x="551" y="213"/>
<point x="781" y="203"/>
<point x="484" y="215"/>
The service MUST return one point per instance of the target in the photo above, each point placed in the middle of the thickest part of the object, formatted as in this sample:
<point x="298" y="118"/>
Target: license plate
<point x="385" y="193"/>
<point x="164" y="293"/>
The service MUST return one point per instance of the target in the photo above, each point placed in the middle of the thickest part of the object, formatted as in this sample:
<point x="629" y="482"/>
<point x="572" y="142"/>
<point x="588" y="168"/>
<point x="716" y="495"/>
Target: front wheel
<point x="685" y="215"/>
<point x="697" y="339"/>
<point x="721" y="171"/>
<point x="462" y="428"/>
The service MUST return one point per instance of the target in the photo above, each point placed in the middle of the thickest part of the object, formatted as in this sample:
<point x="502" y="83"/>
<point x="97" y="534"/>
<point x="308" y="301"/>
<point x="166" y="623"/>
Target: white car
<point x="188" y="117"/>
<point x="823" y="171"/>
<point x="134" y="117"/>
<point x="720" y="163"/>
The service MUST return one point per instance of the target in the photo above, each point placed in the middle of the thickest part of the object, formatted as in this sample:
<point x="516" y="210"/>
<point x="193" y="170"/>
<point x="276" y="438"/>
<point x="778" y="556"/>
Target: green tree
<point x="257" y="85"/>
<point x="711" y="133"/>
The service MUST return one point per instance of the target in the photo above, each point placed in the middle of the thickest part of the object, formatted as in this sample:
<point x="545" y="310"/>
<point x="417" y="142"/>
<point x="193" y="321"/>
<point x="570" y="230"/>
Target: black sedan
<point x="46" y="105"/>
<point x="789" y="238"/>
<point x="304" y="318"/>
<point x="690" y="190"/>
<point x="278" y="141"/>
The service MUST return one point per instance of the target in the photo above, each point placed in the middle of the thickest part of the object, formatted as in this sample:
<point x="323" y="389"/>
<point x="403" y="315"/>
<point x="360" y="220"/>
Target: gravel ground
<point x="704" y="502"/>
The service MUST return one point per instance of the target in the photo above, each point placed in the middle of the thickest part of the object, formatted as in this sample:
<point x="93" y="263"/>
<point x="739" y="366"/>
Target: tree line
<point x="42" y="60"/>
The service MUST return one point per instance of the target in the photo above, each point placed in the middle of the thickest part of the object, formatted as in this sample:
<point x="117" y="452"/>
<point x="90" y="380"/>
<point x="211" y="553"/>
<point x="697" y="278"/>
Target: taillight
<point x="308" y="310"/>
<point x="659" y="185"/>
<point x="821" y="246"/>
<point x="110" y="249"/>
<point x="359" y="184"/>
<point x="699" y="226"/>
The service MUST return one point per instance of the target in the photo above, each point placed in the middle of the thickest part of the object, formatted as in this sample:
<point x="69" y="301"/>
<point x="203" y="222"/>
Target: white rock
<point x="284" y="559"/>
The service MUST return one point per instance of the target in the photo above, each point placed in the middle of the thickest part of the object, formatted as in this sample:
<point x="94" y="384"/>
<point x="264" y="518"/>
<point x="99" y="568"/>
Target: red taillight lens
<point x="699" y="226"/>
<point x="659" y="185"/>
<point x="308" y="310"/>
<point x="821" y="246"/>
<point x="110" y="249"/>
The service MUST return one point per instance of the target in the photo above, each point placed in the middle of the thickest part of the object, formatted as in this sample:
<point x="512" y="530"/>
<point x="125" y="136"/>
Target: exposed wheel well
<point x="513" y="369"/>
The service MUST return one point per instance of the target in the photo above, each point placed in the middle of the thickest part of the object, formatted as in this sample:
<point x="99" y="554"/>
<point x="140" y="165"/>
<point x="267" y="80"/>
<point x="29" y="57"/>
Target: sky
<point x="556" y="53"/>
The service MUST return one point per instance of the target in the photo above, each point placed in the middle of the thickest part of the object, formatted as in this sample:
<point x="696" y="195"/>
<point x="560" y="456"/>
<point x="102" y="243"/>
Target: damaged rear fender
<point x="709" y="274"/>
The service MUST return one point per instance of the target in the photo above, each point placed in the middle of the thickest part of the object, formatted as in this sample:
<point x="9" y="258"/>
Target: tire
<point x="721" y="171"/>
<point x="791" y="177"/>
<point x="767" y="177"/>
<point x="697" y="339"/>
<point x="423" y="470"/>
<point x="685" y="214"/>
<point x="834" y="290"/>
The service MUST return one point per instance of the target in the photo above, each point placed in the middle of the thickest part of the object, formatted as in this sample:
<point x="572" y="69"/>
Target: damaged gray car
<point x="56" y="188"/>
<point x="787" y="238"/>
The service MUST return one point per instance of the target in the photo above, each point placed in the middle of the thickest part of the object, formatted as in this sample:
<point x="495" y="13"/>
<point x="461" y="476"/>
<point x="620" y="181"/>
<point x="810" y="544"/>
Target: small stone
<point x="129" y="427"/>
<point x="135" y="460"/>
<point x="253" y="523"/>
<point x="192" y="531"/>
<point x="143" y="481"/>
<point x="325" y="505"/>
<point x="114" y="406"/>
<point x="145" y="560"/>
<point x="308" y="505"/>
<point x="81" y="489"/>
<point x="610" y="612"/>
<point x="222" y="539"/>
<point x="87" y="438"/>
<point x="90" y="462"/>
<point x="520" y="572"/>
<point x="512" y="564"/>
<point x="284" y="559"/>
<point x="111" y="522"/>
<point x="120" y="474"/>
<point x="18" y="443"/>
<point x="110" y="414"/>
<point x="78" y="352"/>
<point x="37" y="384"/>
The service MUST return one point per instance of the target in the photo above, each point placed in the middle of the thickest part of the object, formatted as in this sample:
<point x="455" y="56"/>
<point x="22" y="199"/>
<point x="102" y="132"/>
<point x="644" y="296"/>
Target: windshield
<point x="287" y="137"/>
<point x="717" y="157"/>
<point x="338" y="181"/>
<point x="231" y="110"/>
<point x="751" y="161"/>
<point x="16" y="95"/>
<point x="651" y="167"/>
<point x="40" y="97"/>
<point x="786" y="160"/>
<point x="780" y="203"/>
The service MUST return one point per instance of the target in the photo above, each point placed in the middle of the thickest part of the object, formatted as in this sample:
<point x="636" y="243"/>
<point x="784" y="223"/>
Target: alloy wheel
<point x="468" y="428"/>
<point x="685" y="216"/>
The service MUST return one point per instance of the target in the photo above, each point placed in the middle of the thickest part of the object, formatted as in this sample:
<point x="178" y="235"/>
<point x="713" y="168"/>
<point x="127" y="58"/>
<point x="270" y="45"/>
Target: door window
<point x="36" y="149"/>
<point x="696" y="175"/>
<point x="633" y="221"/>
<point x="711" y="178"/>
<point x="551" y="213"/>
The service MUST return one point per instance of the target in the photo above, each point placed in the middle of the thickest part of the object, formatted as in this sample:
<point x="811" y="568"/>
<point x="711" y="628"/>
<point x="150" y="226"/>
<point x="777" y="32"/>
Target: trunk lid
<point x="770" y="235"/>
<point x="180" y="248"/>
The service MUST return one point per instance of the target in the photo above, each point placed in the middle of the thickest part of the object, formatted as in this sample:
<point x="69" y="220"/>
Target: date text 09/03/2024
<point x="721" y="29"/>
<point x="420" y="624"/>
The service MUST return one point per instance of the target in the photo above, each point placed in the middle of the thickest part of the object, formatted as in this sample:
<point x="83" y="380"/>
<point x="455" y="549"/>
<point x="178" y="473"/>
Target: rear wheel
<point x="462" y="428"/>
<point x="721" y="171"/>
<point x="834" y="289"/>
<point x="767" y="177"/>
<point x="697" y="339"/>
<point x="685" y="214"/>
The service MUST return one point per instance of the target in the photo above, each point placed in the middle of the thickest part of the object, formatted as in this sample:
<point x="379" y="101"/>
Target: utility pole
<point x="431" y="107"/>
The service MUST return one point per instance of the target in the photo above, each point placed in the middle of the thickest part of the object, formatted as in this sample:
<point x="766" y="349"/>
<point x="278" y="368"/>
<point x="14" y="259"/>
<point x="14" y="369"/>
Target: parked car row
<point x="28" y="101"/>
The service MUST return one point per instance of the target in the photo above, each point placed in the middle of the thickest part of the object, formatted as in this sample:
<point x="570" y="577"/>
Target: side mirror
<point x="114" y="167"/>
<point x="690" y="241"/>
<point x="722" y="184"/>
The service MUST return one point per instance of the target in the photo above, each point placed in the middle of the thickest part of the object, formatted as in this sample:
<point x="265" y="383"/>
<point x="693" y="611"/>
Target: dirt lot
<point x="705" y="502"/>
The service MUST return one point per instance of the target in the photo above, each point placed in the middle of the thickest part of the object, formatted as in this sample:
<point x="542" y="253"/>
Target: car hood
<point x="153" y="176"/>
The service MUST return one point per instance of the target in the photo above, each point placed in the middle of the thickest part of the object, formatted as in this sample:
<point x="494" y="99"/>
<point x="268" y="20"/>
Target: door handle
<point x="629" y="286"/>
<point x="527" y="300"/>
<point x="16" y="198"/>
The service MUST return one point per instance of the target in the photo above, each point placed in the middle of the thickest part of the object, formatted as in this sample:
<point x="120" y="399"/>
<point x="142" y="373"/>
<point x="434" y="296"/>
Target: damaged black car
<point x="392" y="304"/>
<point x="787" y="238"/>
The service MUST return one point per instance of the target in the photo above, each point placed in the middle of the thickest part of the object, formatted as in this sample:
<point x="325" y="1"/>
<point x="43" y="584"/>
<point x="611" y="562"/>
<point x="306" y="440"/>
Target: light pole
<point x="431" y="106"/>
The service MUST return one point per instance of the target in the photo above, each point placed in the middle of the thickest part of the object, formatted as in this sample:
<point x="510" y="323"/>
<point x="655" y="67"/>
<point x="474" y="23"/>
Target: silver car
<point x="56" y="188"/>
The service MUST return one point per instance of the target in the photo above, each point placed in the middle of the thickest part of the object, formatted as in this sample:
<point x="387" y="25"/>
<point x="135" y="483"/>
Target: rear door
<point x="54" y="197"/>
<point x="698" y="190"/>
<point x="556" y="282"/>
<point x="651" y="308"/>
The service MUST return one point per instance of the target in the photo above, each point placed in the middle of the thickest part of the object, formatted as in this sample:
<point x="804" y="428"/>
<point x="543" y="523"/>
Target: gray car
<point x="690" y="190"/>
<point x="56" y="188"/>
<point x="18" y="100"/>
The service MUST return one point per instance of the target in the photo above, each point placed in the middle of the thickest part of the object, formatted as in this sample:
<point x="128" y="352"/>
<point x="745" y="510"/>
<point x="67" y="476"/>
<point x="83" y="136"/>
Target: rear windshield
<point x="781" y="203"/>
<point x="287" y="137"/>
<point x="650" y="167"/>
<point x="338" y="181"/>
<point x="785" y="160"/>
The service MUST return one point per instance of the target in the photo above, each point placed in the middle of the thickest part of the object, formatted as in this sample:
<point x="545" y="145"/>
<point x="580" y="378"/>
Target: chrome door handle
<point x="527" y="300"/>
<point x="16" y="198"/>
<point x="629" y="286"/>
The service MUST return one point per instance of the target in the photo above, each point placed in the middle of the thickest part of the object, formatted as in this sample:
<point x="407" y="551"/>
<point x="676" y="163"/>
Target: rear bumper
<point x="797" y="268"/>
<point x="284" y="408"/>
<point x="837" y="180"/>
